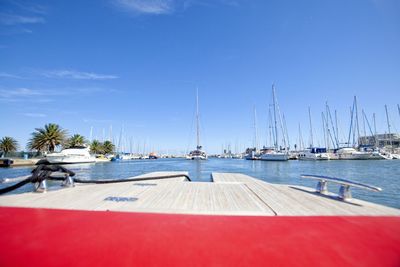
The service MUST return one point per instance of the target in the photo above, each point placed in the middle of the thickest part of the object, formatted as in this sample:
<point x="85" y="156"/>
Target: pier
<point x="227" y="194"/>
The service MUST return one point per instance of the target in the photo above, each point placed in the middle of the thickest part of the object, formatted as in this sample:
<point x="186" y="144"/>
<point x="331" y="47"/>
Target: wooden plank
<point x="167" y="196"/>
<point x="229" y="194"/>
<point x="287" y="200"/>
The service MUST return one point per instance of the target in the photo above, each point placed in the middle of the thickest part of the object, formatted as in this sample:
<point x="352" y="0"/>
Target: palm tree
<point x="76" y="140"/>
<point x="96" y="147"/>
<point x="8" y="144"/>
<point x="108" y="147"/>
<point x="47" y="138"/>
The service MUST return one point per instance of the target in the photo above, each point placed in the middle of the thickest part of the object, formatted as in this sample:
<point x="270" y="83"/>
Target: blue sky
<point x="136" y="64"/>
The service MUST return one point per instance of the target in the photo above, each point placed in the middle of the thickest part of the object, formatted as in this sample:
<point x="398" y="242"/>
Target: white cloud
<point x="29" y="7"/>
<point x="165" y="7"/>
<point x="8" y="75"/>
<point x="19" y="92"/>
<point x="11" y="19"/>
<point x="46" y="95"/>
<point x="155" y="7"/>
<point x="34" y="115"/>
<point x="77" y="75"/>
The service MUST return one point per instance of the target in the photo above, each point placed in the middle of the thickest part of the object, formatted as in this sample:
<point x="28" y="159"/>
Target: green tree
<point x="96" y="147"/>
<point x="8" y="144"/>
<point x="108" y="147"/>
<point x="47" y="138"/>
<point x="76" y="140"/>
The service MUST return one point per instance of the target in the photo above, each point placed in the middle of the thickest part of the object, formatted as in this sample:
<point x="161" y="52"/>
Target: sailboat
<point x="276" y="154"/>
<point x="254" y="153"/>
<point x="313" y="153"/>
<point x="197" y="154"/>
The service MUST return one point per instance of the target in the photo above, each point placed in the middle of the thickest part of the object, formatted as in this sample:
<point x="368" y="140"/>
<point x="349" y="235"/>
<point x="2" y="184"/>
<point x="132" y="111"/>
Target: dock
<point x="227" y="194"/>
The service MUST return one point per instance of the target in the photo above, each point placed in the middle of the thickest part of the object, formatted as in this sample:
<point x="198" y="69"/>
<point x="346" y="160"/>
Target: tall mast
<point x="357" y="121"/>
<point x="328" y="132"/>
<point x="271" y="133"/>
<point x="326" y="140"/>
<point x="337" y="129"/>
<point x="275" y="120"/>
<point x="91" y="134"/>
<point x="111" y="139"/>
<point x="286" y="135"/>
<point x="364" y="129"/>
<point x="197" y="119"/>
<point x="311" y="128"/>
<point x="351" y="124"/>
<point x="388" y="123"/>
<point x="375" y="133"/>
<point x="301" y="143"/>
<point x="255" y="130"/>
<point x="398" y="109"/>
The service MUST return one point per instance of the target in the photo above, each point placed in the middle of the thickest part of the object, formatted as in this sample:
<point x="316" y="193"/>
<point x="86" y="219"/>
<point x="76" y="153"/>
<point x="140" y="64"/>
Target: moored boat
<point x="275" y="156"/>
<point x="349" y="153"/>
<point x="314" y="153"/>
<point x="198" y="153"/>
<point x="71" y="156"/>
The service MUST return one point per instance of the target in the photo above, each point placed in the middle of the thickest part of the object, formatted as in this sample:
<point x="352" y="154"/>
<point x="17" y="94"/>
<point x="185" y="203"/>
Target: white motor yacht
<point x="349" y="153"/>
<point x="197" y="154"/>
<point x="275" y="156"/>
<point x="71" y="156"/>
<point x="314" y="153"/>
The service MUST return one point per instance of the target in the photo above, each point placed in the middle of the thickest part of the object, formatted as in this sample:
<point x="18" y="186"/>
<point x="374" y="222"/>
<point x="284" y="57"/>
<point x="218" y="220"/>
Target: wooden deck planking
<point x="297" y="200"/>
<point x="229" y="194"/>
<point x="168" y="196"/>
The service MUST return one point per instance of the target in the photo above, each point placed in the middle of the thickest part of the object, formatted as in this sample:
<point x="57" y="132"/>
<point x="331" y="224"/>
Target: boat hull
<point x="274" y="157"/>
<point x="69" y="160"/>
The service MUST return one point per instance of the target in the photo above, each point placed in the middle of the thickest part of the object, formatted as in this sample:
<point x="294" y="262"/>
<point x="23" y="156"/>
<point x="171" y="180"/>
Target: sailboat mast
<point x="275" y="120"/>
<point x="388" y="124"/>
<point x="255" y="129"/>
<point x="398" y="109"/>
<point x="357" y="121"/>
<point x="375" y="133"/>
<point x="311" y="128"/>
<point x="197" y="119"/>
<point x="271" y="134"/>
<point x="301" y="143"/>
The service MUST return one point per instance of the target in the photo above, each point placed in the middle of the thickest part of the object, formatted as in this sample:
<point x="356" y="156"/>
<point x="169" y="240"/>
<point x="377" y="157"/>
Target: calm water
<point x="384" y="173"/>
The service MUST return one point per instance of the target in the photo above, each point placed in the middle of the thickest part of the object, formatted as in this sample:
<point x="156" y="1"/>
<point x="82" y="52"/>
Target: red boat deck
<point x="33" y="237"/>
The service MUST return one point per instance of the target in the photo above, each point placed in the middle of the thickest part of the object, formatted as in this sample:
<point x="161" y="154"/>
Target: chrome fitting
<point x="344" y="192"/>
<point x="322" y="187"/>
<point x="41" y="187"/>
<point x="69" y="181"/>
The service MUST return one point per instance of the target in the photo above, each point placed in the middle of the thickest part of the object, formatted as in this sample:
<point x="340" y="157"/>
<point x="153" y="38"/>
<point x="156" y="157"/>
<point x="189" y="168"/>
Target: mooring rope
<point x="44" y="172"/>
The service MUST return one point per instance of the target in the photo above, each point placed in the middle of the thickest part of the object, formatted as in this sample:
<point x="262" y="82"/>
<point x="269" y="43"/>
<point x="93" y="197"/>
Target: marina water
<point x="381" y="173"/>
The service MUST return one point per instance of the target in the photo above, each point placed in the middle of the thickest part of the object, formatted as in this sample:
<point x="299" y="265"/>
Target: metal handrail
<point x="344" y="191"/>
<point x="342" y="181"/>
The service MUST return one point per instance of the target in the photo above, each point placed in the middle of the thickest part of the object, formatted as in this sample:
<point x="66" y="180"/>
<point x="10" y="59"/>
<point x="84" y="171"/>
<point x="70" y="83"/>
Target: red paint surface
<point x="40" y="237"/>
